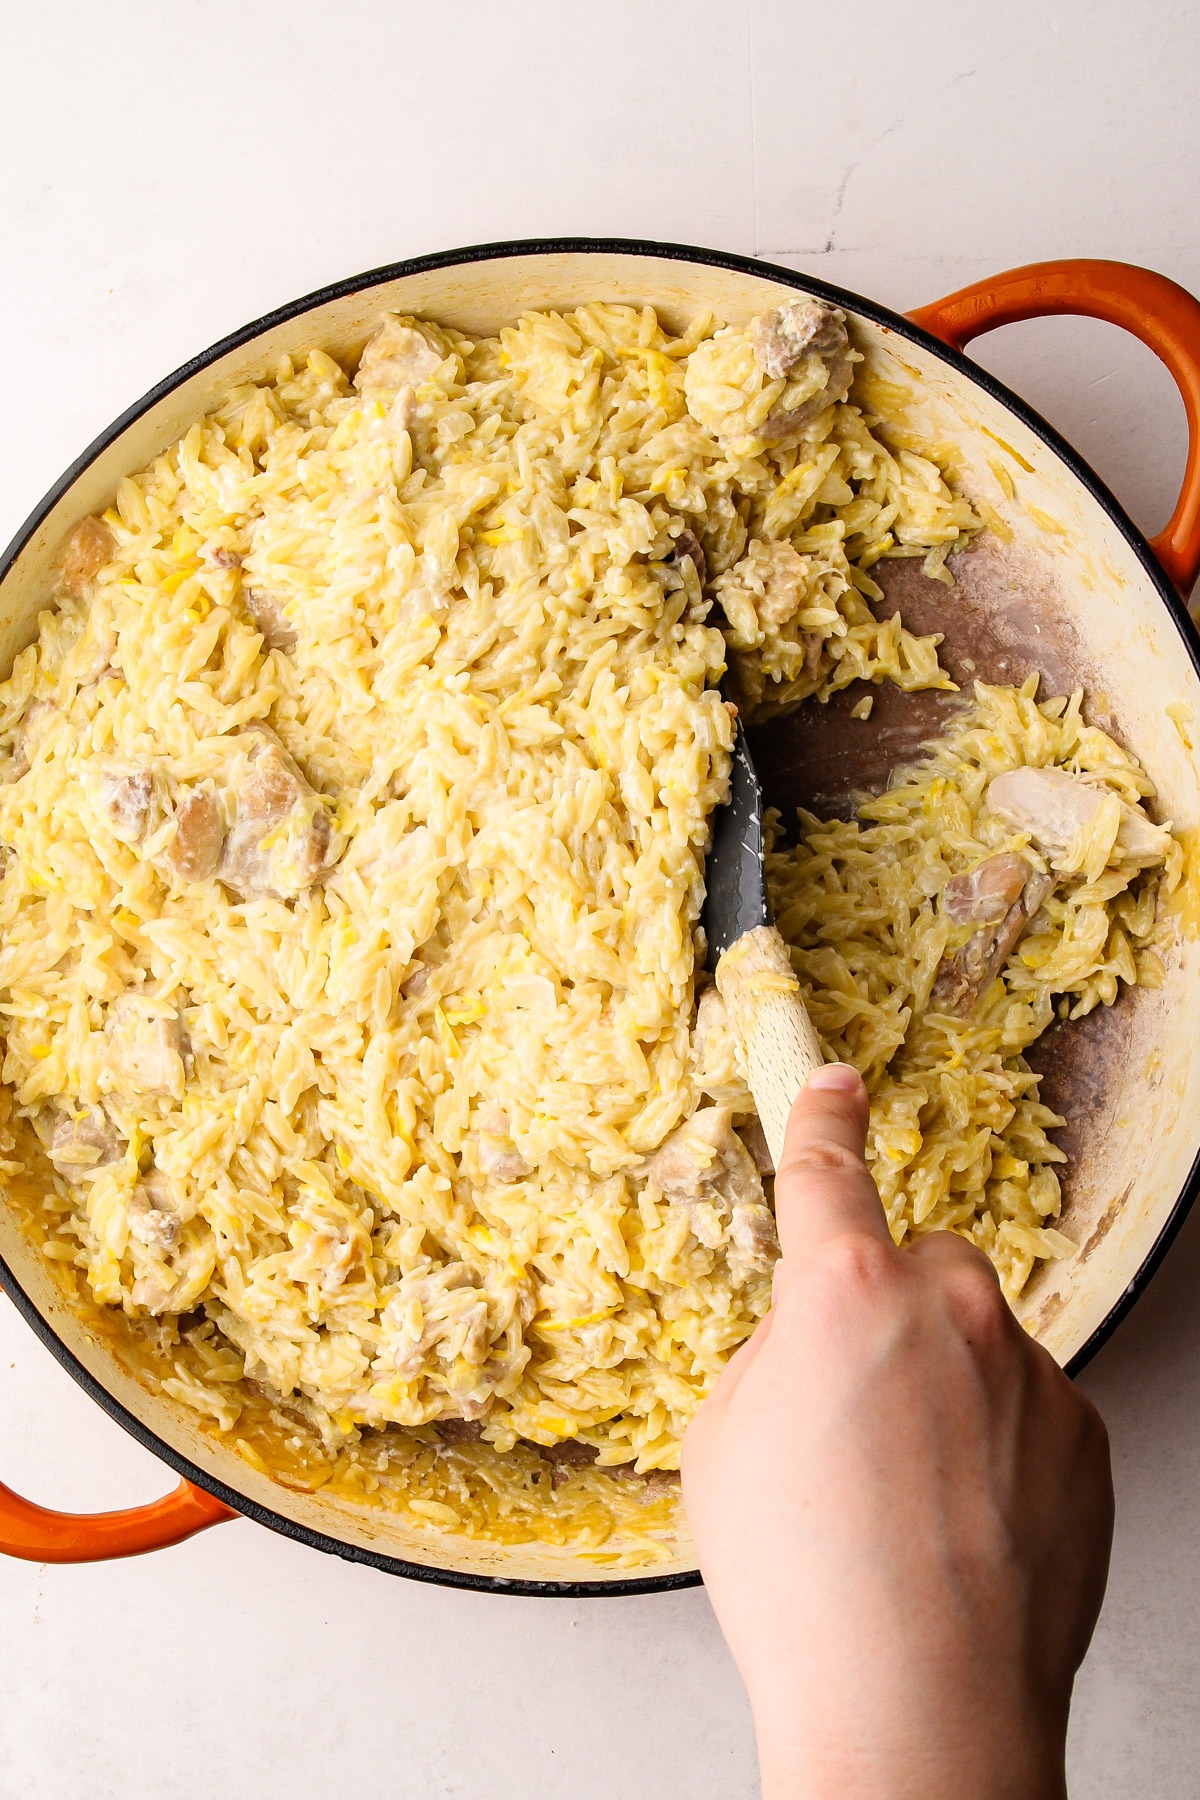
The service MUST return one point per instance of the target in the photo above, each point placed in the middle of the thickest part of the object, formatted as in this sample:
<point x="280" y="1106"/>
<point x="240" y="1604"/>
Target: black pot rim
<point x="664" y="252"/>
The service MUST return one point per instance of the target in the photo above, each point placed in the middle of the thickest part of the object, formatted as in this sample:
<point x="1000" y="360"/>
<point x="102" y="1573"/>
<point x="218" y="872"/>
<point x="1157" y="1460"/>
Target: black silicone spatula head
<point x="736" y="900"/>
<point x="777" y="1046"/>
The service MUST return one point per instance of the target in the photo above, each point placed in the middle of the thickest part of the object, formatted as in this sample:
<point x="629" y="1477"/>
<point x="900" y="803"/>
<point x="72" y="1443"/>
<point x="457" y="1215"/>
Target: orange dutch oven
<point x="1108" y="609"/>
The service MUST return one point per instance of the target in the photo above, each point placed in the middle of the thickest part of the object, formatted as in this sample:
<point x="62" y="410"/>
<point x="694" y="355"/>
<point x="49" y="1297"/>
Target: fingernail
<point x="839" y="1078"/>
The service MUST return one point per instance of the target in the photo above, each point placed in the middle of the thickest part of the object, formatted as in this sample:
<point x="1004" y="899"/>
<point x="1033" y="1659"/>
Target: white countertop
<point x="167" y="173"/>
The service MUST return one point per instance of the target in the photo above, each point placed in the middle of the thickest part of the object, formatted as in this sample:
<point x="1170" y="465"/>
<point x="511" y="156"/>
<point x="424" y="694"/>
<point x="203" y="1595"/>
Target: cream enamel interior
<point x="1123" y="644"/>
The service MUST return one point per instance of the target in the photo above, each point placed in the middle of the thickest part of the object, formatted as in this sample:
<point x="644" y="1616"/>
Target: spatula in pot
<point x="753" y="972"/>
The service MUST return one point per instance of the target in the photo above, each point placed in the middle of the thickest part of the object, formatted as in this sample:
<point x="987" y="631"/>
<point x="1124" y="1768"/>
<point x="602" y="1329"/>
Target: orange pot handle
<point x="39" y="1535"/>
<point x="1165" y="316"/>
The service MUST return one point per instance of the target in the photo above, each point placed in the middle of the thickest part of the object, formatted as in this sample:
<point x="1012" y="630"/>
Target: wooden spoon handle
<point x="774" y="1034"/>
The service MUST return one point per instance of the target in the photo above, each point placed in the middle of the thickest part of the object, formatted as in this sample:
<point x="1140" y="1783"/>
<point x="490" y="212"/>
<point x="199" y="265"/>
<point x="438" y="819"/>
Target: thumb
<point x="823" y="1187"/>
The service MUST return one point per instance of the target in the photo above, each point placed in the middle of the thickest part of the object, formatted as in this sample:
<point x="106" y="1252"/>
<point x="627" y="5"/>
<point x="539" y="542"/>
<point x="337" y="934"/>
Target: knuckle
<point x="856" y="1264"/>
<point x="978" y="1299"/>
<point x="820" y="1157"/>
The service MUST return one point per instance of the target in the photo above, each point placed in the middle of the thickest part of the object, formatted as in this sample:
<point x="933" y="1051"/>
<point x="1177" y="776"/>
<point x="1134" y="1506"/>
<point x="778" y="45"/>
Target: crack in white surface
<point x="830" y="243"/>
<point x="840" y="196"/>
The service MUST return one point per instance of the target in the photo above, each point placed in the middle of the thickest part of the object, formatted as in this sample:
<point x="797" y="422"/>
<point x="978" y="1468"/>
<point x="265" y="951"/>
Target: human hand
<point x="903" y="1508"/>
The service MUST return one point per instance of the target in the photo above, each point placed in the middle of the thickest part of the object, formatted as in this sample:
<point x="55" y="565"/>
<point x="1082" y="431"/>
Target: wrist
<point x="936" y="1775"/>
<point x="969" y="1771"/>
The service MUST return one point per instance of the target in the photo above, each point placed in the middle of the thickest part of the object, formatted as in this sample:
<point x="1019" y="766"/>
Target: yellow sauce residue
<point x="1184" y="903"/>
<point x="1004" y="480"/>
<point x="995" y="524"/>
<point x="1181" y="716"/>
<point x="1046" y="520"/>
<point x="1008" y="450"/>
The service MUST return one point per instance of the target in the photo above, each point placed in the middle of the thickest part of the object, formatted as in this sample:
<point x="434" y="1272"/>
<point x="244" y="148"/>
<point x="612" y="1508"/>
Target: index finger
<point x="823" y="1187"/>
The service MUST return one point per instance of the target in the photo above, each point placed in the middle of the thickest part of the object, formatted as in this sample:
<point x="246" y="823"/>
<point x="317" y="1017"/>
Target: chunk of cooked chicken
<point x="147" y="1048"/>
<point x="984" y="894"/>
<point x="755" y="1139"/>
<point x="497" y="1155"/>
<point x="82" y="1143"/>
<point x="808" y="343"/>
<point x="31" y="733"/>
<point x="704" y="1159"/>
<point x="814" y="643"/>
<point x="416" y="982"/>
<point x="963" y="976"/>
<point x="89" y="547"/>
<point x="270" y="619"/>
<point x="783" y="573"/>
<point x="785" y="338"/>
<point x="94" y="657"/>
<point x="125" y="792"/>
<point x="438" y="1312"/>
<point x="767" y="588"/>
<point x="153" y="1220"/>
<point x="282" y="838"/>
<point x="335" y="1251"/>
<point x="402" y="353"/>
<point x="153" y="1291"/>
<point x="753" y="1242"/>
<point x="1056" y="809"/>
<point x="195" y="851"/>
<point x="176" y="1283"/>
